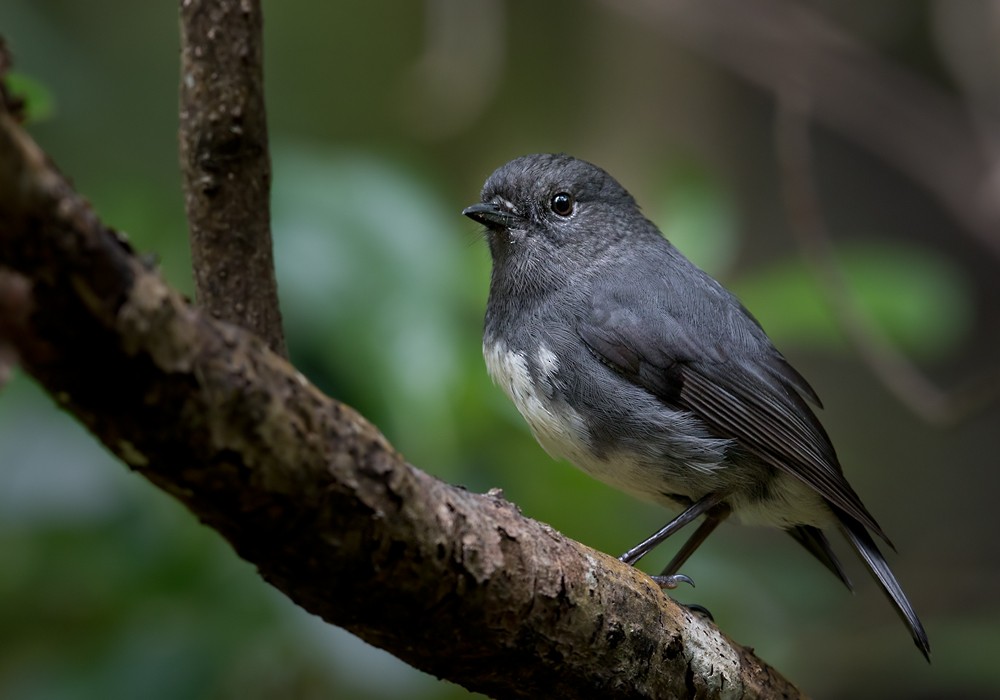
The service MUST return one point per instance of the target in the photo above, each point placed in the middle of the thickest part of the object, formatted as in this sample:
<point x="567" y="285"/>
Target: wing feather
<point x="728" y="374"/>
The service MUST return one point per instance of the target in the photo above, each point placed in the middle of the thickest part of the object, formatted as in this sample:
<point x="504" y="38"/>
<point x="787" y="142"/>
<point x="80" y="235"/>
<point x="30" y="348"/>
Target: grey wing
<point x="727" y="373"/>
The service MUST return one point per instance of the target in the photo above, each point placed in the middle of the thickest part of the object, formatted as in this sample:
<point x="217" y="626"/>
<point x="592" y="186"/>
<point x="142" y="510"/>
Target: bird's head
<point x="552" y="212"/>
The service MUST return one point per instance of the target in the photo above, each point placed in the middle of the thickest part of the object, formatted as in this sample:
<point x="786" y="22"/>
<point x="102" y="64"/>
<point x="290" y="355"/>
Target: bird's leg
<point x="703" y="505"/>
<point x="669" y="578"/>
<point x="712" y="520"/>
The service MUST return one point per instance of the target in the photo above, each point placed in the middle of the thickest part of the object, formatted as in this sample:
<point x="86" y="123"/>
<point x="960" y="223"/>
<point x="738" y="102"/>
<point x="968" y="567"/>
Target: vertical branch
<point x="226" y="164"/>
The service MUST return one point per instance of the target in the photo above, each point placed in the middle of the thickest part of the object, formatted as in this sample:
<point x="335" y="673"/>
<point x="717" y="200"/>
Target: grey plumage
<point x="638" y="367"/>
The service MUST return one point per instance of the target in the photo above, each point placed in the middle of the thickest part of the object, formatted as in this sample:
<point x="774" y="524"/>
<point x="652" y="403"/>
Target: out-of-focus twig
<point x="893" y="368"/>
<point x="912" y="125"/>
<point x="459" y="69"/>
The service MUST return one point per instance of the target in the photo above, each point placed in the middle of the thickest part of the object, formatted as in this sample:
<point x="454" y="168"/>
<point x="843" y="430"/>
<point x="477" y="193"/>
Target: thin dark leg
<point x="712" y="520"/>
<point x="705" y="504"/>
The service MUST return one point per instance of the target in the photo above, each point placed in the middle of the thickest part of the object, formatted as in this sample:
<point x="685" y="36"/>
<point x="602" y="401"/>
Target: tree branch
<point x="226" y="165"/>
<point x="455" y="583"/>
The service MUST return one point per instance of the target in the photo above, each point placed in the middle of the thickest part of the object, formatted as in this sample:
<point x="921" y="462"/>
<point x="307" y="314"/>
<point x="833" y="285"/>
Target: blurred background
<point x="385" y="120"/>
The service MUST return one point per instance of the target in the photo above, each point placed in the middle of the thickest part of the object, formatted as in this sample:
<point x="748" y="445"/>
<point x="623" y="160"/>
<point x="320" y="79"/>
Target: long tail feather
<point x="865" y="546"/>
<point x="813" y="539"/>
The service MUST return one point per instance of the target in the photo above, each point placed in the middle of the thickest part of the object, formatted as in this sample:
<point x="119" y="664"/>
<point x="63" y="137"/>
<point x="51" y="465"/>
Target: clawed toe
<point x="671" y="582"/>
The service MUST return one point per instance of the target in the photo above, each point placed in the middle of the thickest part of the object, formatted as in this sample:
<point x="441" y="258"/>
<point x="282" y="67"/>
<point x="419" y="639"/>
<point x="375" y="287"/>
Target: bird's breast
<point x="634" y="443"/>
<point x="533" y="386"/>
<point x="535" y="382"/>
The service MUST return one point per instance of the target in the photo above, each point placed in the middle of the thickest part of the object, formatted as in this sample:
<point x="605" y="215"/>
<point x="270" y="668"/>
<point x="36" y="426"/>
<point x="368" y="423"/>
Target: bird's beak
<point x="491" y="215"/>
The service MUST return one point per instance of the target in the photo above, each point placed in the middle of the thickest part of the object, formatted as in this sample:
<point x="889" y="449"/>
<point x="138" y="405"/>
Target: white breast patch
<point x="561" y="430"/>
<point x="558" y="428"/>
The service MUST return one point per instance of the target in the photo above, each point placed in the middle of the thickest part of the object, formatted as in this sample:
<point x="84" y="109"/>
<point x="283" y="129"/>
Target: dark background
<point x="385" y="119"/>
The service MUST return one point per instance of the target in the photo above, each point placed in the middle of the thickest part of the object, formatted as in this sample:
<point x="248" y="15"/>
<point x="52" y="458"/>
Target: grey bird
<point x="629" y="361"/>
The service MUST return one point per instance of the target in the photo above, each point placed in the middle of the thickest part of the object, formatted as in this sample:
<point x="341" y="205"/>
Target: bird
<point x="629" y="361"/>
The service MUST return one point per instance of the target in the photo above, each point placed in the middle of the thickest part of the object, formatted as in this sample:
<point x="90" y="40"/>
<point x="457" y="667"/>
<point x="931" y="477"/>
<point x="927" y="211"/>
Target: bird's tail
<point x="813" y="539"/>
<point x="865" y="546"/>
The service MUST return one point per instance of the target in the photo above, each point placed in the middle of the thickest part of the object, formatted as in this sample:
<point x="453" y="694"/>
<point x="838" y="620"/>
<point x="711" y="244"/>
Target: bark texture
<point x="226" y="164"/>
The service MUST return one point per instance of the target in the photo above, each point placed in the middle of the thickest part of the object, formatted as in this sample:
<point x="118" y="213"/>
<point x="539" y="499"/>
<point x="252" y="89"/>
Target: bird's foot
<point x="671" y="582"/>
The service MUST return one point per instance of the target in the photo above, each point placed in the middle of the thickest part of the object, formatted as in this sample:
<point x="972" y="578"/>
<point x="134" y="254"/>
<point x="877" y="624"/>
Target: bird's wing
<point x="724" y="370"/>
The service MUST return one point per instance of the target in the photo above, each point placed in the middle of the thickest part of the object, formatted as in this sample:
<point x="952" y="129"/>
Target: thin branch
<point x="893" y="368"/>
<point x="226" y="165"/>
<point x="919" y="129"/>
<point x="455" y="583"/>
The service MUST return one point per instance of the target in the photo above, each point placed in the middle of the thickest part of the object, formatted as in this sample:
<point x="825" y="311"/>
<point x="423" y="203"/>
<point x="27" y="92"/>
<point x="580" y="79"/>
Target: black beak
<point x="491" y="215"/>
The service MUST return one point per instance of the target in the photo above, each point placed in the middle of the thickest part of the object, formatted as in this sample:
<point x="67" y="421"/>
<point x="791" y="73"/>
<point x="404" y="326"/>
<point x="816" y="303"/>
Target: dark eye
<point x="562" y="203"/>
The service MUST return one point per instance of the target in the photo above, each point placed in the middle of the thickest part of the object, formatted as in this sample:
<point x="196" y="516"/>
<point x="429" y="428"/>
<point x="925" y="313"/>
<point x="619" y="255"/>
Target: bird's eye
<point x="562" y="203"/>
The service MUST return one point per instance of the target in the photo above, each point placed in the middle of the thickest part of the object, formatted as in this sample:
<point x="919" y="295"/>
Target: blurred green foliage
<point x="109" y="589"/>
<point x="918" y="301"/>
<point x="39" y="103"/>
